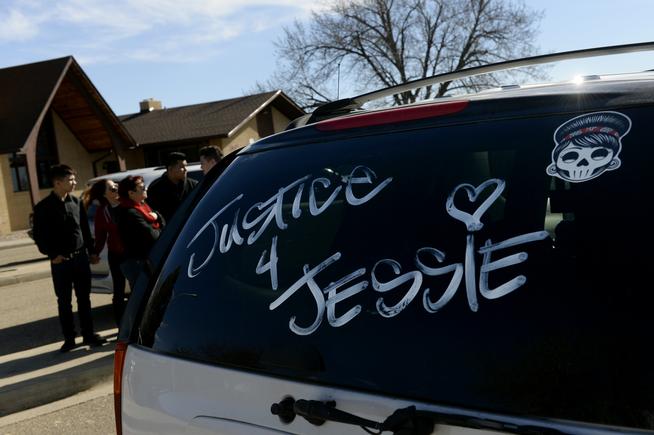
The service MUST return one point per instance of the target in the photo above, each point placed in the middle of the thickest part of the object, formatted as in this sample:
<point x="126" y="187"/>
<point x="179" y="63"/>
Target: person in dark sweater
<point x="61" y="231"/>
<point x="167" y="192"/>
<point x="105" y="193"/>
<point x="139" y="226"/>
<point x="209" y="157"/>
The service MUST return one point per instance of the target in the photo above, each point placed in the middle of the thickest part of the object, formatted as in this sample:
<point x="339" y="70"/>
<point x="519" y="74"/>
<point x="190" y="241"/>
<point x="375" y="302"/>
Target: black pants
<point x="66" y="275"/>
<point x="118" y="300"/>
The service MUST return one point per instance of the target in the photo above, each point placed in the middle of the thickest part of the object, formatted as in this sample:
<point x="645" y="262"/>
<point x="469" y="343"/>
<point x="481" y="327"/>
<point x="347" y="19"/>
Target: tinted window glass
<point x="196" y="175"/>
<point x="437" y="264"/>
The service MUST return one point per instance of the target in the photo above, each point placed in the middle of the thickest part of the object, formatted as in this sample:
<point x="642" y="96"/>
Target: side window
<point x="444" y="265"/>
<point x="196" y="175"/>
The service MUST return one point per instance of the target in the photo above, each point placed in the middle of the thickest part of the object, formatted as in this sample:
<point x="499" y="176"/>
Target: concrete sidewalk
<point x="18" y="238"/>
<point x="24" y="272"/>
<point x="15" y="239"/>
<point x="20" y="260"/>
<point x="41" y="375"/>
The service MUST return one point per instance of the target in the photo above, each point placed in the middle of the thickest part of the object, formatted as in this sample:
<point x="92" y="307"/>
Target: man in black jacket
<point x="209" y="157"/>
<point x="61" y="231"/>
<point x="167" y="192"/>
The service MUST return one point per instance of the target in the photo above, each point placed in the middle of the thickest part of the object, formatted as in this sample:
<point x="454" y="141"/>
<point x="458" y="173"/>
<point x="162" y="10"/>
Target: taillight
<point x="119" y="361"/>
<point x="399" y="114"/>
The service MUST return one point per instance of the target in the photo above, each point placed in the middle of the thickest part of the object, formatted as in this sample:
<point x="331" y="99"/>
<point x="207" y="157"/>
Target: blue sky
<point x="204" y="50"/>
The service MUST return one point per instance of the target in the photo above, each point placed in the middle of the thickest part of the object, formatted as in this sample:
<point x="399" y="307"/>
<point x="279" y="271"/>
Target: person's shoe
<point x="94" y="341"/>
<point x="68" y="345"/>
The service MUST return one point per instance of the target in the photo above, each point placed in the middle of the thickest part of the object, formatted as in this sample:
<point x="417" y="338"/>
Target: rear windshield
<point x="499" y="266"/>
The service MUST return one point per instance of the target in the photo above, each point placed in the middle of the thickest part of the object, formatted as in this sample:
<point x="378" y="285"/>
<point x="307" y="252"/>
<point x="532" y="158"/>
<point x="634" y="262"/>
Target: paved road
<point x="28" y="315"/>
<point x="90" y="417"/>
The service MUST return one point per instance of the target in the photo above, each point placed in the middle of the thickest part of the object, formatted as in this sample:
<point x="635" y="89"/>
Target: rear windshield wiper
<point x="316" y="412"/>
<point x="410" y="421"/>
<point x="405" y="421"/>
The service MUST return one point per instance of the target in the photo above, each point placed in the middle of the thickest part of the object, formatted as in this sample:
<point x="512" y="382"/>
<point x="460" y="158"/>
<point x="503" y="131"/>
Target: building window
<point x="19" y="178"/>
<point x="46" y="156"/>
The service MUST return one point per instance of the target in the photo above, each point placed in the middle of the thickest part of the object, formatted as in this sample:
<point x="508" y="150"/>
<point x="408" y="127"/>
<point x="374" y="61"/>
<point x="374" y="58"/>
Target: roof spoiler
<point x="347" y="105"/>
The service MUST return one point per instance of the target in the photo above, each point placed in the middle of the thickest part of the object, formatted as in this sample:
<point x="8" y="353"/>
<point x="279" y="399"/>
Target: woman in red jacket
<point x="138" y="224"/>
<point x="106" y="231"/>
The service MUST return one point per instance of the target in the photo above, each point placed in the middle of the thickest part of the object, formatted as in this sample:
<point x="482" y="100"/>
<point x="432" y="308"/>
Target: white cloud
<point x="15" y="26"/>
<point x="162" y="30"/>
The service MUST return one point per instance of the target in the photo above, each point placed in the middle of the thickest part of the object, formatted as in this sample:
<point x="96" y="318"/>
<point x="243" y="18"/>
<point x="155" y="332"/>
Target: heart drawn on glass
<point x="472" y="221"/>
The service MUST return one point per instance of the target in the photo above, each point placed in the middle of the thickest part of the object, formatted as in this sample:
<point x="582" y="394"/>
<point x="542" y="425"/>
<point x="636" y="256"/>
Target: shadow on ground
<point x="34" y="362"/>
<point x="22" y="262"/>
<point x="45" y="331"/>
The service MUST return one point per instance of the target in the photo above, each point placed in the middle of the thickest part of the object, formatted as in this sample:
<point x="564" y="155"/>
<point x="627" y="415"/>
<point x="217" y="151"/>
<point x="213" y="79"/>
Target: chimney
<point x="149" y="104"/>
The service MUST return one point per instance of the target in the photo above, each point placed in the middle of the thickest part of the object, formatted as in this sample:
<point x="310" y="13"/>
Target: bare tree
<point x="369" y="44"/>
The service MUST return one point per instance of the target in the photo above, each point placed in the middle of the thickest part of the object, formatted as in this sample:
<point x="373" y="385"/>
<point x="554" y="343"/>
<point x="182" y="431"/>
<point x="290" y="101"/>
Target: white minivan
<point x="471" y="264"/>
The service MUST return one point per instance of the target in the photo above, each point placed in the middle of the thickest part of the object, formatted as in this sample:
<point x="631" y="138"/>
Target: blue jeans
<point x="131" y="268"/>
<point x="118" y="301"/>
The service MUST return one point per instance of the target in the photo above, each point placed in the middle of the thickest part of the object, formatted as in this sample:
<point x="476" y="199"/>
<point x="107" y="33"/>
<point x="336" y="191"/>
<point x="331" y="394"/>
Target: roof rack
<point x="347" y="105"/>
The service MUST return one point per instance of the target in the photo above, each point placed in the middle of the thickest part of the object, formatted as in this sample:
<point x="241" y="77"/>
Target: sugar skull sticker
<point x="588" y="145"/>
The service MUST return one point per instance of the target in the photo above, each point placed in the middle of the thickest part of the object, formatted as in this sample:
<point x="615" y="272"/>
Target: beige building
<point x="50" y="113"/>
<point x="230" y="124"/>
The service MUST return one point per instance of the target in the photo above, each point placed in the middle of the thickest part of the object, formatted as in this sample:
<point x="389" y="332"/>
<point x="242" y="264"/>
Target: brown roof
<point x="27" y="91"/>
<point x="215" y="119"/>
<point x="24" y="92"/>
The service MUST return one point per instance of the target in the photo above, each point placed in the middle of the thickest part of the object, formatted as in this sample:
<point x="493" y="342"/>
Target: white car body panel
<point x="167" y="395"/>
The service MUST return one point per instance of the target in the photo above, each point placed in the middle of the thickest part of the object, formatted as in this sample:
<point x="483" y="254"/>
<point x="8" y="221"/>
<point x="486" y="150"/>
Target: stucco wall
<point x="242" y="138"/>
<point x="250" y="131"/>
<point x="72" y="153"/>
<point x="15" y="207"/>
<point x="5" y="183"/>
<point x="20" y="209"/>
<point x="216" y="141"/>
<point x="134" y="159"/>
<point x="279" y="121"/>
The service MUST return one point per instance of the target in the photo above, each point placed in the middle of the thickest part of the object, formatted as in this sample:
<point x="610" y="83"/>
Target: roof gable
<point x="24" y="92"/>
<point x="198" y="121"/>
<point x="28" y="91"/>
